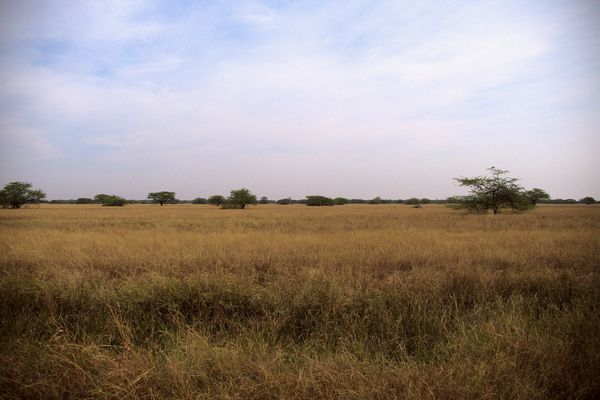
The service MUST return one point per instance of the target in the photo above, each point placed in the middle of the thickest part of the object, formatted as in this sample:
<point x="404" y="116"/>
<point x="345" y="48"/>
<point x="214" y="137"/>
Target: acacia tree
<point x="493" y="192"/>
<point x="16" y="194"/>
<point x="239" y="199"/>
<point x="162" y="197"/>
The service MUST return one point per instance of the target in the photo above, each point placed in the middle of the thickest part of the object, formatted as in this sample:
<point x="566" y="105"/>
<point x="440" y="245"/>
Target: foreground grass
<point x="296" y="302"/>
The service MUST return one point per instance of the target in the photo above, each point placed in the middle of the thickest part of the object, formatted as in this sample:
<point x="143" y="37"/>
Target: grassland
<point x="297" y="302"/>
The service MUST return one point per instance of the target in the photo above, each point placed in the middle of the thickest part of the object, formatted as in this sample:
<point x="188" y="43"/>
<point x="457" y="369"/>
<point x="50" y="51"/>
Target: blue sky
<point x="290" y="98"/>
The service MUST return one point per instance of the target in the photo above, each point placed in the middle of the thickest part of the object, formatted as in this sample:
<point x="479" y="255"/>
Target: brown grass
<point x="349" y="302"/>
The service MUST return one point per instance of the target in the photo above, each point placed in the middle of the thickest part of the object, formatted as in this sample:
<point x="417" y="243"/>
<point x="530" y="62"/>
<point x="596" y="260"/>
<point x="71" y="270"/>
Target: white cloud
<point x="328" y="96"/>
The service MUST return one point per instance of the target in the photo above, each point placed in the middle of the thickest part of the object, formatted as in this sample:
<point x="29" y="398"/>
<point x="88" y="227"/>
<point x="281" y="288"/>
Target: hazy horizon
<point x="356" y="99"/>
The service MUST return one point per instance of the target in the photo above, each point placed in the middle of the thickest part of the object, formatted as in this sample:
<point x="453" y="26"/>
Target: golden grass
<point x="357" y="301"/>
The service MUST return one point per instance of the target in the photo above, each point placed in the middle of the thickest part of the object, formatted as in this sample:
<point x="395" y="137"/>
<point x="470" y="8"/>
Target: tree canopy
<point x="16" y="194"/>
<point x="162" y="197"/>
<point x="240" y="198"/>
<point x="319" y="201"/>
<point x="493" y="192"/>
<point x="216" y="200"/>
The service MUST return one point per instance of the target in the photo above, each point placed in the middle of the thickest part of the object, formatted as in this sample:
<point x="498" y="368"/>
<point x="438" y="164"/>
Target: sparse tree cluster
<point x="495" y="191"/>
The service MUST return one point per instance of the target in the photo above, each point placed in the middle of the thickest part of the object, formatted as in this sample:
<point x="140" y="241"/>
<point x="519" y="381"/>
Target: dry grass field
<point x="296" y="302"/>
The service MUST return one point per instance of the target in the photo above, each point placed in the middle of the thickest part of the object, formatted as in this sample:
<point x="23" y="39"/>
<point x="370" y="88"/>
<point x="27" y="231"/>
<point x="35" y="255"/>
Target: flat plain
<point x="296" y="302"/>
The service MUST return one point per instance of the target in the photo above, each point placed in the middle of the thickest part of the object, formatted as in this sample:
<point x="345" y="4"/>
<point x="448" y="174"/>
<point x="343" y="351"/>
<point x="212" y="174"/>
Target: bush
<point x="110" y="200"/>
<point x="319" y="201"/>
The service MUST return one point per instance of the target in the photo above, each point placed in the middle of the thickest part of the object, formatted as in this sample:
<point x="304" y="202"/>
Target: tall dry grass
<point x="292" y="302"/>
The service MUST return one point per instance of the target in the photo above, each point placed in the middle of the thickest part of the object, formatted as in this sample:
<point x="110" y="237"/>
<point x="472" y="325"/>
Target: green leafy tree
<point x="240" y="199"/>
<point x="493" y="192"/>
<point x="199" y="200"/>
<point x="162" y="197"/>
<point x="110" y="200"/>
<point x="16" y="194"/>
<point x="376" y="200"/>
<point x="318" y="201"/>
<point x="216" y="200"/>
<point x="537" y="194"/>
<point x="340" y="201"/>
<point x="588" y="200"/>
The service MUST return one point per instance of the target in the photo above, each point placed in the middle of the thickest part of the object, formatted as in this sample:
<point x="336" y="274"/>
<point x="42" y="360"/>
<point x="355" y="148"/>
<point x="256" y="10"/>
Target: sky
<point x="293" y="98"/>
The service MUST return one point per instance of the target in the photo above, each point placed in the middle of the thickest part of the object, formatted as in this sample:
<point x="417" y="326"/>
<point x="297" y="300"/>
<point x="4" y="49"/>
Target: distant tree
<point x="16" y="194"/>
<point x="376" y="200"/>
<point x="493" y="192"/>
<point x="588" y="200"/>
<point x="263" y="200"/>
<point x="340" y="201"/>
<point x="84" y="200"/>
<point x="536" y="194"/>
<point x="162" y="197"/>
<point x="216" y="200"/>
<point x="110" y="200"/>
<point x="199" y="200"/>
<point x="413" y="201"/>
<point x="319" y="201"/>
<point x="425" y="201"/>
<point x="240" y="199"/>
<point x="286" y="201"/>
<point x="100" y="198"/>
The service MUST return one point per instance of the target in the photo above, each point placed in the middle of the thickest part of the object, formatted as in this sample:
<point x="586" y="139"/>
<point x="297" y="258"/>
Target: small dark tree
<point x="285" y="201"/>
<point x="199" y="200"/>
<point x="16" y="194"/>
<point x="493" y="192"/>
<point x="239" y="199"/>
<point x="216" y="200"/>
<point x="318" y="201"/>
<point x="588" y="200"/>
<point x="535" y="195"/>
<point x="162" y="197"/>
<point x="413" y="201"/>
<point x="340" y="201"/>
<point x="110" y="200"/>
<point x="376" y="200"/>
<point x="263" y="200"/>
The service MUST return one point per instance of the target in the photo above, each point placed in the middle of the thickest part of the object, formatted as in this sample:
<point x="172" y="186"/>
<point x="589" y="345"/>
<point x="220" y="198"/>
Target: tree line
<point x="496" y="191"/>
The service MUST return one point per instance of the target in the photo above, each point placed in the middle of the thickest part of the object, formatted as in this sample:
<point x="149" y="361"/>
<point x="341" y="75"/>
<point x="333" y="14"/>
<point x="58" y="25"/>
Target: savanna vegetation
<point x="296" y="302"/>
